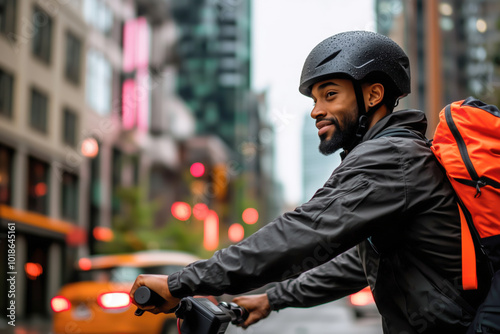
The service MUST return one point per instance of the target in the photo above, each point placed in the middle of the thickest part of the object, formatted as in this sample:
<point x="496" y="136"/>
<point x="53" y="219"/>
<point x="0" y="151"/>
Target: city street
<point x="140" y="137"/>
<point x="326" y="319"/>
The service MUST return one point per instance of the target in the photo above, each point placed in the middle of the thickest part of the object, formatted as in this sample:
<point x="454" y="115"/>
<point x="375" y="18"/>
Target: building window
<point x="73" y="58"/>
<point x="6" y="178"/>
<point x="42" y="34"/>
<point x="69" y="196"/>
<point x="6" y="94"/>
<point x="39" y="105"/>
<point x="99" y="82"/>
<point x="70" y="125"/>
<point x="99" y="15"/>
<point x="7" y="16"/>
<point x="38" y="186"/>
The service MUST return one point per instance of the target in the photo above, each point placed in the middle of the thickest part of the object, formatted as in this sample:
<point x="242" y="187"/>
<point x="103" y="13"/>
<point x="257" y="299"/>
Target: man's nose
<point x="317" y="112"/>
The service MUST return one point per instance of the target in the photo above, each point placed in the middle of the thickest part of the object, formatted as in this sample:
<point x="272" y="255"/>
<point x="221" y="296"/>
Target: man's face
<point x="335" y="111"/>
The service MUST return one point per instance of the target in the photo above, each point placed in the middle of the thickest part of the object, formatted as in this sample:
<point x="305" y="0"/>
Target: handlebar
<point x="200" y="315"/>
<point x="145" y="296"/>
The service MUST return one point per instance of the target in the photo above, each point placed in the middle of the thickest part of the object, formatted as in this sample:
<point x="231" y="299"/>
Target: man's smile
<point x="324" y="126"/>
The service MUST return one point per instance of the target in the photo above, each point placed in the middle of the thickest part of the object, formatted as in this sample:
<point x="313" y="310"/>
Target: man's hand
<point x="159" y="284"/>
<point x="258" y="307"/>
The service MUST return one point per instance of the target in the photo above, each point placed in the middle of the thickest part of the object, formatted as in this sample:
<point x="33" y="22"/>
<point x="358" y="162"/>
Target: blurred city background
<point x="133" y="125"/>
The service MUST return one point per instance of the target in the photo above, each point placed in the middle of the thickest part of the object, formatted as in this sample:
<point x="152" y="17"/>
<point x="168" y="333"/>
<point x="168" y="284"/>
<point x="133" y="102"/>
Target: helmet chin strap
<point x="363" y="115"/>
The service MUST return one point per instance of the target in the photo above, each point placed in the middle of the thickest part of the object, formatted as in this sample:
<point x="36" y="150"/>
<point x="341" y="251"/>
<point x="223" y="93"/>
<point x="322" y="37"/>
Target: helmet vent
<point x="404" y="62"/>
<point x="327" y="59"/>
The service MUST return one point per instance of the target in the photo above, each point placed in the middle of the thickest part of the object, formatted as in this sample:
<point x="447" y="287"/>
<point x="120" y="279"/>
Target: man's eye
<point x="330" y="94"/>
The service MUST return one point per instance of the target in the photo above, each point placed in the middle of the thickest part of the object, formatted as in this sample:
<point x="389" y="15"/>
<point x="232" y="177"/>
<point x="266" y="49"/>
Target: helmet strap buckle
<point x="362" y="126"/>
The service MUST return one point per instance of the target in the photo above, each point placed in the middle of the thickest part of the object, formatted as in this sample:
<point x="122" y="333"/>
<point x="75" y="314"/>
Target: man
<point x="387" y="215"/>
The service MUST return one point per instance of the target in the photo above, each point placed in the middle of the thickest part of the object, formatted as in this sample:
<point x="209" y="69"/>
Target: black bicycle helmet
<point x="357" y="54"/>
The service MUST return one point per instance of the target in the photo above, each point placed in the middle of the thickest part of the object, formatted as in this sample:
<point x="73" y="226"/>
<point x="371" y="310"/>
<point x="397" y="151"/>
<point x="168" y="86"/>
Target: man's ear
<point x="374" y="94"/>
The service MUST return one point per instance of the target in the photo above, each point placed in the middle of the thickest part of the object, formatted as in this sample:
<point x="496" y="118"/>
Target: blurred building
<point x="214" y="64"/>
<point x="42" y="108"/>
<point x="256" y="150"/>
<point x="316" y="167"/>
<point x="213" y="58"/>
<point x="97" y="95"/>
<point x="470" y="39"/>
<point x="87" y="105"/>
<point x="454" y="49"/>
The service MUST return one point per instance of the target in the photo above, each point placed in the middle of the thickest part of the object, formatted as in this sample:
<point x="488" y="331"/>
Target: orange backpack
<point x="467" y="144"/>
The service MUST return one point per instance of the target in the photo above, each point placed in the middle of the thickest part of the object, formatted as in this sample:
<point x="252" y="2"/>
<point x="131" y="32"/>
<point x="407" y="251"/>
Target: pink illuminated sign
<point x="129" y="45"/>
<point x="142" y="44"/>
<point x="135" y="92"/>
<point x="129" y="107"/>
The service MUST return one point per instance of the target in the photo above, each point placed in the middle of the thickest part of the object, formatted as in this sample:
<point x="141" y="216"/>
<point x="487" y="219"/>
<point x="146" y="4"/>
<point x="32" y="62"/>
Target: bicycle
<point x="200" y="315"/>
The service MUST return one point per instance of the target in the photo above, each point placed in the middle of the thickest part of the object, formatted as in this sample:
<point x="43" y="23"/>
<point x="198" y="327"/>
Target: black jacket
<point x="388" y="197"/>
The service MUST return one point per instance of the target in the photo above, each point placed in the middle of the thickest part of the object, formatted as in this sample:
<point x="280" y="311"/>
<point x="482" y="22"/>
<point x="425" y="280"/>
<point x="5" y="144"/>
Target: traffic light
<point x="181" y="210"/>
<point x="236" y="232"/>
<point x="250" y="216"/>
<point x="90" y="147"/>
<point x="102" y="233"/>
<point x="200" y="211"/>
<point x="33" y="270"/>
<point x="211" y="231"/>
<point x="220" y="181"/>
<point x="197" y="169"/>
<point x="84" y="264"/>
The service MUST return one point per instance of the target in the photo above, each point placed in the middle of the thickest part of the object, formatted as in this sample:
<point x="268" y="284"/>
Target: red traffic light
<point x="85" y="264"/>
<point x="250" y="216"/>
<point x="197" y="169"/>
<point x="200" y="211"/>
<point x="181" y="210"/>
<point x="236" y="232"/>
<point x="90" y="148"/>
<point x="102" y="233"/>
<point x="33" y="270"/>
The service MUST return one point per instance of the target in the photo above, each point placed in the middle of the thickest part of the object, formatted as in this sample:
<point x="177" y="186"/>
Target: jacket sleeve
<point x="332" y="280"/>
<point x="364" y="194"/>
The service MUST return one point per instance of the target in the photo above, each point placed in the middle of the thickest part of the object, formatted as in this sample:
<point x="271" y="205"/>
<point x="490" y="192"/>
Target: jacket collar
<point x="410" y="119"/>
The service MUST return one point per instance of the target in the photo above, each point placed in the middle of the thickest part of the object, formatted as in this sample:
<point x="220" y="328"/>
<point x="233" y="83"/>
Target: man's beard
<point x="341" y="138"/>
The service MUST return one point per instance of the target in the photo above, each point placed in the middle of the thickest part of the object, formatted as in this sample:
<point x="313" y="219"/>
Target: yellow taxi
<point x="98" y="300"/>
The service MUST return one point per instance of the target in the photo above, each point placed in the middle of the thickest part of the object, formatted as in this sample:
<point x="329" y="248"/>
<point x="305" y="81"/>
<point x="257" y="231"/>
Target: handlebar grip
<point x="241" y="317"/>
<point x="238" y="313"/>
<point x="244" y="314"/>
<point x="144" y="296"/>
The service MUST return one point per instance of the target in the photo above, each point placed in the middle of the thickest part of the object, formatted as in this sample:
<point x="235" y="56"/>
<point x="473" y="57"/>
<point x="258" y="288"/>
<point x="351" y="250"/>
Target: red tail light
<point x="362" y="298"/>
<point x="114" y="300"/>
<point x="60" y="304"/>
